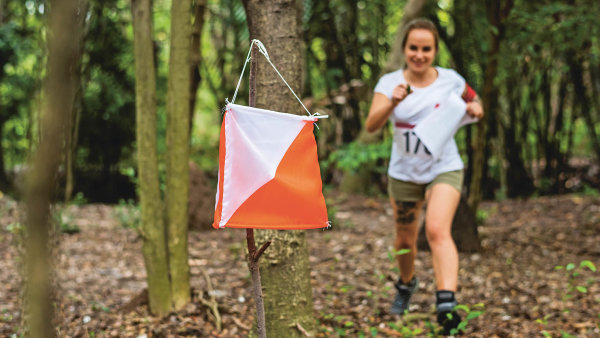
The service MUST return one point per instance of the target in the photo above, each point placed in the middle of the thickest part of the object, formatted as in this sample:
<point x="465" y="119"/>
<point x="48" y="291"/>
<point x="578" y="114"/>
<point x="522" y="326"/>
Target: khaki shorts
<point x="413" y="192"/>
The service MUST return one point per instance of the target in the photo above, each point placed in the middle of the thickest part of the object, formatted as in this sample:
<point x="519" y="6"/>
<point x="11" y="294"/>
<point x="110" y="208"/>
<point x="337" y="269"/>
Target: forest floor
<point x="515" y="283"/>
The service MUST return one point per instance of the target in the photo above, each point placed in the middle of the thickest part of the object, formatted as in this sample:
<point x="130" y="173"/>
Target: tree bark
<point x="199" y="8"/>
<point x="585" y="102"/>
<point x="178" y="116"/>
<point x="5" y="185"/>
<point x="75" y="111"/>
<point x="285" y="269"/>
<point x="42" y="178"/>
<point x="497" y="14"/>
<point x="412" y="10"/>
<point x="153" y="227"/>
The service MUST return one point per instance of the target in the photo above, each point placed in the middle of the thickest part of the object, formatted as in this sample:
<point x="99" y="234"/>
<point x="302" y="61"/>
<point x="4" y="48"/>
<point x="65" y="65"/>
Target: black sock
<point x="444" y="296"/>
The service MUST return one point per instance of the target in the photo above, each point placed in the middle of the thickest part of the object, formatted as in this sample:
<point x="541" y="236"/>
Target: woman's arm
<point x="382" y="107"/>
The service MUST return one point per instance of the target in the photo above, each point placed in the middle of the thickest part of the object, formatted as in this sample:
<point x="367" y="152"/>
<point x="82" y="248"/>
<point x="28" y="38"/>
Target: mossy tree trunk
<point x="412" y="10"/>
<point x="498" y="11"/>
<point x="76" y="101"/>
<point x="41" y="180"/>
<point x="285" y="271"/>
<point x="153" y="227"/>
<point x="178" y="123"/>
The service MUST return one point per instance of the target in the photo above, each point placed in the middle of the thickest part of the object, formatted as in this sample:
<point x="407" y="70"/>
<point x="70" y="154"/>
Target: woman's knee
<point x="436" y="233"/>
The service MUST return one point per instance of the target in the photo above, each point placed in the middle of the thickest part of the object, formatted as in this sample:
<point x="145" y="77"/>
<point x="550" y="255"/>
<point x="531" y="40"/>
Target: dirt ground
<point x="515" y="283"/>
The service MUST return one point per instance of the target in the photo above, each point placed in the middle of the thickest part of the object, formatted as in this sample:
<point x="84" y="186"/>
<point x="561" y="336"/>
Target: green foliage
<point x="356" y="155"/>
<point x="64" y="222"/>
<point x="470" y="313"/>
<point x="579" y="279"/>
<point x="21" y="52"/>
<point x="107" y="127"/>
<point x="128" y="214"/>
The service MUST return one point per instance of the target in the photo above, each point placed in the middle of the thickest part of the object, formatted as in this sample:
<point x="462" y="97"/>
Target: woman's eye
<point x="413" y="48"/>
<point x="426" y="49"/>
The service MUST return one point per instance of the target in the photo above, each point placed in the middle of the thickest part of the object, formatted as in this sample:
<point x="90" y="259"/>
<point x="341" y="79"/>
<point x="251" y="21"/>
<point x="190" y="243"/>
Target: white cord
<point x="264" y="52"/>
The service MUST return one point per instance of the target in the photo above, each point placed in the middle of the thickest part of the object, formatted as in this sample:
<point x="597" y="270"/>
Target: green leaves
<point x="588" y="264"/>
<point x="355" y="155"/>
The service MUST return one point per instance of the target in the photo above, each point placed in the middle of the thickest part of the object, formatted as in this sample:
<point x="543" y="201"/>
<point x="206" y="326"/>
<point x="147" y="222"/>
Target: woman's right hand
<point x="400" y="92"/>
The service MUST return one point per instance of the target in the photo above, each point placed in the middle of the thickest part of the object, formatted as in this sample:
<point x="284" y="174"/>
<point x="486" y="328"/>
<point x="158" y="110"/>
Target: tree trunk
<point x="497" y="15"/>
<point x="518" y="183"/>
<point x="195" y="56"/>
<point x="585" y="103"/>
<point x="5" y="185"/>
<point x="178" y="116"/>
<point x="284" y="266"/>
<point x="412" y="10"/>
<point x="153" y="226"/>
<point x="75" y="111"/>
<point x="42" y="178"/>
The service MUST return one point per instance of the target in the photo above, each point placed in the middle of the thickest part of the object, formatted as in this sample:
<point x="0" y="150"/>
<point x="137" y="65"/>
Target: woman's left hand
<point x="474" y="109"/>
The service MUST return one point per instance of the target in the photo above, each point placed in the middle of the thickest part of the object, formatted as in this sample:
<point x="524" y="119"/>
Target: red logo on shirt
<point x="436" y="105"/>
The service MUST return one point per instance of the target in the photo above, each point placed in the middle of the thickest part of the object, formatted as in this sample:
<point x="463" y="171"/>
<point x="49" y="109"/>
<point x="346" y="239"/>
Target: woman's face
<point x="419" y="50"/>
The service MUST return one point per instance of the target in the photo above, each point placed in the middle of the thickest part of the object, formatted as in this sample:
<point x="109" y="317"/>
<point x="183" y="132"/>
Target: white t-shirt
<point x="410" y="160"/>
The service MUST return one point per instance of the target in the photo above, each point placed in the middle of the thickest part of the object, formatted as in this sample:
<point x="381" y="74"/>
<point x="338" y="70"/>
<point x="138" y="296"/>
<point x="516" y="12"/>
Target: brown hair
<point x="421" y="23"/>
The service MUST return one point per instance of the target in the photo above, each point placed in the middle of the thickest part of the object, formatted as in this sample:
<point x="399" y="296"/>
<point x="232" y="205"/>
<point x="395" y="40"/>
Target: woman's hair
<point x="421" y="23"/>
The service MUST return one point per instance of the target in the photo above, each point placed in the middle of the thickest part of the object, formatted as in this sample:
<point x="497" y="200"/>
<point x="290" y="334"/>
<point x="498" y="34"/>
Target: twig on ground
<point x="240" y="324"/>
<point x="302" y="330"/>
<point x="212" y="303"/>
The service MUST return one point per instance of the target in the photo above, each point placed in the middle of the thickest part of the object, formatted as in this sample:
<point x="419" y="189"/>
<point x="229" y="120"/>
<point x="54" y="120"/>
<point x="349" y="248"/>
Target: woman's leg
<point x="442" y="201"/>
<point x="406" y="217"/>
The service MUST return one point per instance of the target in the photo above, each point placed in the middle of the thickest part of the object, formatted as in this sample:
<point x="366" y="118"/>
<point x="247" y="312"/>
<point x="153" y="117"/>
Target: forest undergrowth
<point x="535" y="276"/>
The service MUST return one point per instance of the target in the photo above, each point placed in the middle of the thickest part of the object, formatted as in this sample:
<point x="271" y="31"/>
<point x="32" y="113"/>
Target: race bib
<point x="409" y="144"/>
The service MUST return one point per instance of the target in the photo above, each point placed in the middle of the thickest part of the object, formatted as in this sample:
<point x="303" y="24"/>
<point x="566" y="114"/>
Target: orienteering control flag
<point x="269" y="175"/>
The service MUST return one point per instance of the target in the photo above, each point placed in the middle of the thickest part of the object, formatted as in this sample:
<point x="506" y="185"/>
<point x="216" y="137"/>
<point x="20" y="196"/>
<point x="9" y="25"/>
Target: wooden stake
<point x="253" y="254"/>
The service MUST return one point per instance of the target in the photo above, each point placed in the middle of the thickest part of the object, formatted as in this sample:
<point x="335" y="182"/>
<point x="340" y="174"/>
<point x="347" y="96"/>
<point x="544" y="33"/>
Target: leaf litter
<point x="536" y="275"/>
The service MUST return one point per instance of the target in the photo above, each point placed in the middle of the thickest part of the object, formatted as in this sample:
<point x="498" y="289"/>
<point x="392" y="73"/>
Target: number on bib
<point x="413" y="145"/>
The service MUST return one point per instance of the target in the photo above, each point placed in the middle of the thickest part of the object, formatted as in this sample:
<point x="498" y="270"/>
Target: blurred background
<point x="535" y="63"/>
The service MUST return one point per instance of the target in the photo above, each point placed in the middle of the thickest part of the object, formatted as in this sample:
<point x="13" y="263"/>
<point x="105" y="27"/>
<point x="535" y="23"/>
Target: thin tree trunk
<point x="5" y="185"/>
<point x="585" y="104"/>
<point x="519" y="183"/>
<point x="253" y="254"/>
<point x="75" y="111"/>
<point x="178" y="116"/>
<point x="153" y="226"/>
<point x="285" y="270"/>
<point x="497" y="15"/>
<point x="42" y="178"/>
<point x="195" y="56"/>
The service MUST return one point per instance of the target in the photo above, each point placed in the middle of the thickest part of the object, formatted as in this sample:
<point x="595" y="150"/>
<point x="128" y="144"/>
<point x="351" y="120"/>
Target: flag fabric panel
<point x="269" y="175"/>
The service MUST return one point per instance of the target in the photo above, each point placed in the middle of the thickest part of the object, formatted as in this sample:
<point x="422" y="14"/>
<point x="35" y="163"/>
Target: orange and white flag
<point x="269" y="175"/>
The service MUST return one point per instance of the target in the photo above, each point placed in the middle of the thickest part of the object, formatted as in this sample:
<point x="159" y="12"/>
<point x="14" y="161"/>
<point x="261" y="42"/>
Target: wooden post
<point x="253" y="254"/>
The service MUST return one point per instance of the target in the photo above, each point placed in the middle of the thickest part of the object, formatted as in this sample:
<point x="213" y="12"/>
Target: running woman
<point x="406" y="97"/>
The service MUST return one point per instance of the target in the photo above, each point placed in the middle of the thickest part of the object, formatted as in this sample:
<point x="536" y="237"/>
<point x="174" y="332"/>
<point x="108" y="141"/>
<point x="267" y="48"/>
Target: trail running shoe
<point x="405" y="291"/>
<point x="447" y="318"/>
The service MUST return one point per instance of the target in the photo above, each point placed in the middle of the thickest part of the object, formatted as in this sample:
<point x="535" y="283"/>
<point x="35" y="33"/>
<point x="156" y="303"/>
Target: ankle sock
<point x="443" y="297"/>
<point x="447" y="318"/>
